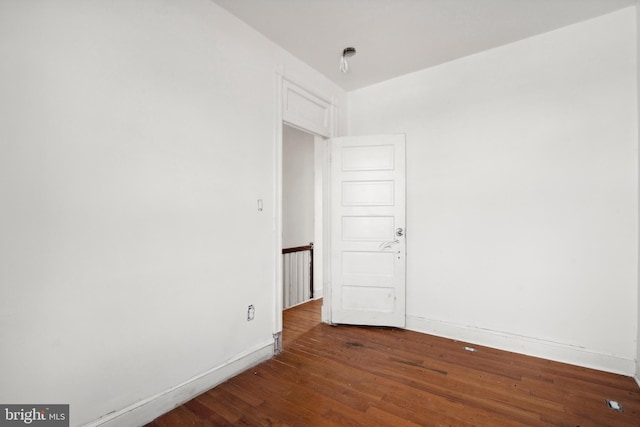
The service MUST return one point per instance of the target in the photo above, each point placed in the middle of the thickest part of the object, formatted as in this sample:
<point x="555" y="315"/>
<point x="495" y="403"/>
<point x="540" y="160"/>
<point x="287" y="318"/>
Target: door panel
<point x="361" y="228"/>
<point x="367" y="158"/>
<point x="367" y="230"/>
<point x="367" y="193"/>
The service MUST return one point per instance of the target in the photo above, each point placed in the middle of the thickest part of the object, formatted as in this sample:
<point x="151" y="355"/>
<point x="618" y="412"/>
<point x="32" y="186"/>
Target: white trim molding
<point x="306" y="110"/>
<point x="147" y="410"/>
<point x="314" y="112"/>
<point x="278" y="290"/>
<point x="524" y="345"/>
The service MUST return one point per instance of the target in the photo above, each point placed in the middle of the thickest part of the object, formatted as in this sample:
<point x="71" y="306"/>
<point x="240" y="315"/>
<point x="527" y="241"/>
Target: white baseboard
<point x="147" y="410"/>
<point x="315" y="297"/>
<point x="524" y="345"/>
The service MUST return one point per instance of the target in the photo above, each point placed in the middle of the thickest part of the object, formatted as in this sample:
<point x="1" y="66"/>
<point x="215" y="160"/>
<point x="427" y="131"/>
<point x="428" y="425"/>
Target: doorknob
<point x="399" y="232"/>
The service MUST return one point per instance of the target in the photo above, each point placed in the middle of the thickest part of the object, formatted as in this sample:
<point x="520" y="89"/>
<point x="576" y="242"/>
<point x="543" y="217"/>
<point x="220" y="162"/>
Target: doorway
<point x="315" y="115"/>
<point x="298" y="231"/>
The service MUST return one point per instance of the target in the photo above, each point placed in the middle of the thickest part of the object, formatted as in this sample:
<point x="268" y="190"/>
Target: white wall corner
<point x="524" y="345"/>
<point x="147" y="410"/>
<point x="335" y="131"/>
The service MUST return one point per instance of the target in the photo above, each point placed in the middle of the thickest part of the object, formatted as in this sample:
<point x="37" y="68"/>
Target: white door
<point x="368" y="230"/>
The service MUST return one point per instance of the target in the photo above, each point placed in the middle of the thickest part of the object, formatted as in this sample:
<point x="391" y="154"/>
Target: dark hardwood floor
<point x="366" y="376"/>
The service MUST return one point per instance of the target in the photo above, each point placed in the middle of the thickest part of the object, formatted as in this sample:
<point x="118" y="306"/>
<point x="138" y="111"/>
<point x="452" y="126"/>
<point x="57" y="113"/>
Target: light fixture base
<point x="348" y="52"/>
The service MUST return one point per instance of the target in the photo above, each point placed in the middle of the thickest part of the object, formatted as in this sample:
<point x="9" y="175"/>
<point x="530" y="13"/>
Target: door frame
<point x="309" y="110"/>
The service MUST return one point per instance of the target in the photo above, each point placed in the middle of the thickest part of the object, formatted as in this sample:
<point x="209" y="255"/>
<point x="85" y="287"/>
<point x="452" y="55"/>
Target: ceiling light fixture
<point x="346" y="53"/>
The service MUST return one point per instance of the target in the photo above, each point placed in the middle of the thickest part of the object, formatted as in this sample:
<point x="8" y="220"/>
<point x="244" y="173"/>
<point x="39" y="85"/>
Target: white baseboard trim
<point x="147" y="410"/>
<point x="315" y="297"/>
<point x="524" y="345"/>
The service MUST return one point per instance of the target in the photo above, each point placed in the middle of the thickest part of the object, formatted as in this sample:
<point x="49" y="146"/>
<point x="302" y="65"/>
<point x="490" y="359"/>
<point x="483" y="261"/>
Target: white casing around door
<point x="367" y="224"/>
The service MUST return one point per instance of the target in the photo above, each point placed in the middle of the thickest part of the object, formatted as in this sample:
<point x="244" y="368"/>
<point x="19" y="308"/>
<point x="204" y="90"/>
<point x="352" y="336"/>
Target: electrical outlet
<point x="251" y="313"/>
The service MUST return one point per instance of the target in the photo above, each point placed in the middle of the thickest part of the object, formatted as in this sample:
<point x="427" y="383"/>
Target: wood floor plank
<point x="376" y="377"/>
<point x="411" y="373"/>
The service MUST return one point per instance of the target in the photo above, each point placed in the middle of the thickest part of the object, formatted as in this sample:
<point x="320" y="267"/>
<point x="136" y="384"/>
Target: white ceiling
<point x="396" y="37"/>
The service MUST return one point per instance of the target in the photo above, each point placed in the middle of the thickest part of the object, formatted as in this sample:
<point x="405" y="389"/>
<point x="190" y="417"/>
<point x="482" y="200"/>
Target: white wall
<point x="135" y="141"/>
<point x="297" y="188"/>
<point x="522" y="192"/>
